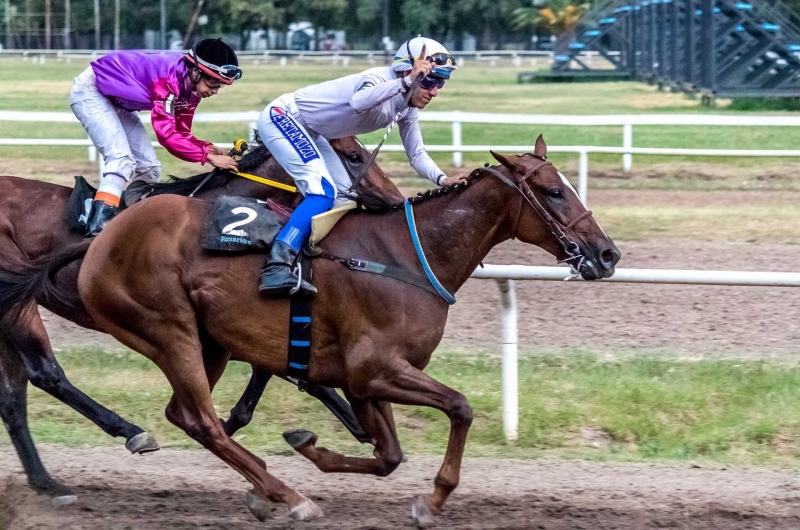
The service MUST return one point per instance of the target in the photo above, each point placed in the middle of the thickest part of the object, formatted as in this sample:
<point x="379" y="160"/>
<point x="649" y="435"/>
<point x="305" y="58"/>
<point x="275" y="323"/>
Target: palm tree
<point x="559" y="17"/>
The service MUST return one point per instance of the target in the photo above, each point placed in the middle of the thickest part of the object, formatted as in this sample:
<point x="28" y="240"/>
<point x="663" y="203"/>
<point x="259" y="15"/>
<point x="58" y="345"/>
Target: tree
<point x="423" y="17"/>
<point x="321" y="13"/>
<point x="486" y="19"/>
<point x="559" y="17"/>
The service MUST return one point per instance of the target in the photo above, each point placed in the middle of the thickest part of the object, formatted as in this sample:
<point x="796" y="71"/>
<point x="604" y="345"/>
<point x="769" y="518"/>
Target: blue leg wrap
<point x="298" y="229"/>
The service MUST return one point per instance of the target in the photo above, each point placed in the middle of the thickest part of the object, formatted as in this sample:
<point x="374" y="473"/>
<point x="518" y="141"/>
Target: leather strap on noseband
<point x="556" y="228"/>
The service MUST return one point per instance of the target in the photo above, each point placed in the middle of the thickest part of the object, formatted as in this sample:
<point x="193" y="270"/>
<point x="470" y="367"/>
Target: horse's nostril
<point x="609" y="257"/>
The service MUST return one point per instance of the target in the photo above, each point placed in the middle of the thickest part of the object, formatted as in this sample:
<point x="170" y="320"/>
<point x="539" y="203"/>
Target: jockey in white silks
<point x="296" y="128"/>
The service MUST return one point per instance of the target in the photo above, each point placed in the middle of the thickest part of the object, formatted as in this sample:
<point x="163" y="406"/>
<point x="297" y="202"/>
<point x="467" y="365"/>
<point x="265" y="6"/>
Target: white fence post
<point x="457" y="155"/>
<point x="510" y="359"/>
<point x="252" y="132"/>
<point x="583" y="176"/>
<point x="92" y="152"/>
<point x="627" y="143"/>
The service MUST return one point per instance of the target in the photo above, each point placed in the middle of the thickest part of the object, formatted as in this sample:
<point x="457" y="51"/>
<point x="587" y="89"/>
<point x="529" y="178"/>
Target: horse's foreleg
<point x="14" y="412"/>
<point x="30" y="343"/>
<point x="242" y="413"/>
<point x="339" y="408"/>
<point x="401" y="383"/>
<point x="192" y="410"/>
<point x="377" y="419"/>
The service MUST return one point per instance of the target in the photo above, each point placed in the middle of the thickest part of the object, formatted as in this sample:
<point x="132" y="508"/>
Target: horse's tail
<point x="36" y="281"/>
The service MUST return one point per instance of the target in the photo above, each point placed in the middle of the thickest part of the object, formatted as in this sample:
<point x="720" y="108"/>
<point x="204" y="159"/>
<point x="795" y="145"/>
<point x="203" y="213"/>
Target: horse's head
<point x="552" y="216"/>
<point x="375" y="191"/>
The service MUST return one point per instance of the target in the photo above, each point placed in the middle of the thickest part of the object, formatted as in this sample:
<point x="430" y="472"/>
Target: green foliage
<point x="556" y="16"/>
<point x="765" y="104"/>
<point x="422" y="17"/>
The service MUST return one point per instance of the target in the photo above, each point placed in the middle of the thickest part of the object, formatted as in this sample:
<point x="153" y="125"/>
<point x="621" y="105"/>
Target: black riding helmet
<point x="215" y="59"/>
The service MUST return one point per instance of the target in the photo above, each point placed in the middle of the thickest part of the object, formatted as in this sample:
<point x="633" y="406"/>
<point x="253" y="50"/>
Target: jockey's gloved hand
<point x="451" y="181"/>
<point x="222" y="161"/>
<point x="421" y="67"/>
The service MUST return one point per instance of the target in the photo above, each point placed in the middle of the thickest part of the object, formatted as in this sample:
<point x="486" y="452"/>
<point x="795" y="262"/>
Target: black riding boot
<point x="99" y="215"/>
<point x="277" y="276"/>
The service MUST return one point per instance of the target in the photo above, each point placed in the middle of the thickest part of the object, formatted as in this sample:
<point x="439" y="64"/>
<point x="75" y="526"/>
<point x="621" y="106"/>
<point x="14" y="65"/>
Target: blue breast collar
<point x="412" y="226"/>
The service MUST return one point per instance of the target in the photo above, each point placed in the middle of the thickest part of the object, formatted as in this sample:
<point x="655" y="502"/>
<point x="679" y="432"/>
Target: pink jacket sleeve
<point x="174" y="127"/>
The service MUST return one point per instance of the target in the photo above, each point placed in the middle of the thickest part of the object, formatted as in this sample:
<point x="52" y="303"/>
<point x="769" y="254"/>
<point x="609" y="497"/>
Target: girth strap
<point x="299" y="337"/>
<point x="380" y="269"/>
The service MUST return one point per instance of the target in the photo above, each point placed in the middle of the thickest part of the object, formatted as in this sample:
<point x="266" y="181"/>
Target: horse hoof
<point x="60" y="494"/>
<point x="306" y="511"/>
<point x="422" y="513"/>
<point x="260" y="508"/>
<point x="142" y="443"/>
<point x="63" y="500"/>
<point x="299" y="438"/>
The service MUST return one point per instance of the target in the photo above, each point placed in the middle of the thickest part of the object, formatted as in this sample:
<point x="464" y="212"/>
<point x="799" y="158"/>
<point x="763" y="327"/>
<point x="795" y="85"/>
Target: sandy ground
<point x="691" y="321"/>
<point x="192" y="489"/>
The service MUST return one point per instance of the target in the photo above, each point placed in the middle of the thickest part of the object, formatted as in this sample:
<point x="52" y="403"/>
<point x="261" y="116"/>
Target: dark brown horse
<point x="148" y="283"/>
<point x="33" y="225"/>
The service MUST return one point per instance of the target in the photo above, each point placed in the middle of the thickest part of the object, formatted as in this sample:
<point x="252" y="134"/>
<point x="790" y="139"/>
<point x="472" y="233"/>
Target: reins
<point x="267" y="182"/>
<point x="429" y="282"/>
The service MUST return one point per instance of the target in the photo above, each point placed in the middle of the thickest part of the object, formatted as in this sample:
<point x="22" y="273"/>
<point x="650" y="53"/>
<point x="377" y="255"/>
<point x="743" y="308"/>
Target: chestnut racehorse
<point x="33" y="225"/>
<point x="148" y="283"/>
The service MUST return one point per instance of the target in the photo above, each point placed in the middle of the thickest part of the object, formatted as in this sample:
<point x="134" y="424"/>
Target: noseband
<point x="576" y="259"/>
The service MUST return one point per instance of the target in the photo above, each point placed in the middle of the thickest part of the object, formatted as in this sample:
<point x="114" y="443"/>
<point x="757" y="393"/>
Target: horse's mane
<point x="435" y="192"/>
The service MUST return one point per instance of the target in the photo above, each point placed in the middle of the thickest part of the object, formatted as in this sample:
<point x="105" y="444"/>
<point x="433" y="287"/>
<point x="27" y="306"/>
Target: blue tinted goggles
<point x="430" y="82"/>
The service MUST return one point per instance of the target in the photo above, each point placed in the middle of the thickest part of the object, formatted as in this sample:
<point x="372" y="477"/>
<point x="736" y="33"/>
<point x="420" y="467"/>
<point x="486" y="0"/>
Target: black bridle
<point x="576" y="259"/>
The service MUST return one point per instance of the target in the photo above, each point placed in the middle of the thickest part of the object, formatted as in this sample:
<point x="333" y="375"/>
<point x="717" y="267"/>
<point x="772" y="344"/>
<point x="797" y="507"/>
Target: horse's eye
<point x="355" y="159"/>
<point x="556" y="194"/>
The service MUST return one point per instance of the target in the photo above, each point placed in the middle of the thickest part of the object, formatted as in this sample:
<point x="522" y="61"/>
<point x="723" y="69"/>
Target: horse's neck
<point x="458" y="230"/>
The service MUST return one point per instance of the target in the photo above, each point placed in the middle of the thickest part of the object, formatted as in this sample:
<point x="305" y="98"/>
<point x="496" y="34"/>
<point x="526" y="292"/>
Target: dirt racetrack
<point x="192" y="489"/>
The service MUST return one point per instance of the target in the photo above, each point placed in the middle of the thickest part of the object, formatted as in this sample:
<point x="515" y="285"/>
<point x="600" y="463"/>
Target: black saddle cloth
<point x="80" y="202"/>
<point x="241" y="224"/>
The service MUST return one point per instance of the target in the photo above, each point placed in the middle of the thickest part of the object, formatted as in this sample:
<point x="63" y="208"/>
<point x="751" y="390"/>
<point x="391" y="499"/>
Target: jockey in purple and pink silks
<point x="107" y="95"/>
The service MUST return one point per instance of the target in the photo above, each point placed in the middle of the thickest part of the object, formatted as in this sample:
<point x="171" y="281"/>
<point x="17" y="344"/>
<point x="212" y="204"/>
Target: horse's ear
<point x="503" y="160"/>
<point x="541" y="148"/>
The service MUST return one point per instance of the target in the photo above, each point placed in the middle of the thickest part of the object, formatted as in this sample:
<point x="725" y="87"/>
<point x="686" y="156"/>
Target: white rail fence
<point x="457" y="118"/>
<point x="515" y="58"/>
<point x="505" y="275"/>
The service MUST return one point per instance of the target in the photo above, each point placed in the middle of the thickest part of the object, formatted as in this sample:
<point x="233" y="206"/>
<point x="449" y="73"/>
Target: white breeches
<point x="307" y="159"/>
<point x="118" y="134"/>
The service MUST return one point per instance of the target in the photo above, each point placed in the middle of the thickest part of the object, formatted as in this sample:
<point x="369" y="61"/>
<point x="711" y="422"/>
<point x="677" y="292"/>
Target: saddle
<point x="242" y="224"/>
<point x="80" y="201"/>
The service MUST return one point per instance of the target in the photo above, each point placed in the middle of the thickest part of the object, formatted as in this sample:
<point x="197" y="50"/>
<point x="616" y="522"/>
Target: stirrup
<point x="298" y="271"/>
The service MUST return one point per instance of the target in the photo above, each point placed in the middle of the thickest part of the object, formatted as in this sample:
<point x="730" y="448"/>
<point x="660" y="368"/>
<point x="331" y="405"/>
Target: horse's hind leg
<point x="192" y="410"/>
<point x="29" y="341"/>
<point x="378" y="422"/>
<point x="14" y="412"/>
<point x="242" y="413"/>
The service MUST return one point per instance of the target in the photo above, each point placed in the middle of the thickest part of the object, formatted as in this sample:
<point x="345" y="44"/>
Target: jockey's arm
<point x="372" y="91"/>
<point x="415" y="149"/>
<point x="174" y="128"/>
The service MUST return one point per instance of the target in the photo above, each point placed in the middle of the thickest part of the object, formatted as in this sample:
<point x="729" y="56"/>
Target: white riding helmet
<point x="444" y="62"/>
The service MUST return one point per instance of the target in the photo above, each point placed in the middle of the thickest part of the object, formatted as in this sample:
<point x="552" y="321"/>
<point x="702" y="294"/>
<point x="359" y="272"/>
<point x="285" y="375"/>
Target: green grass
<point x="476" y="88"/>
<point x="776" y="223"/>
<point x="634" y="408"/>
